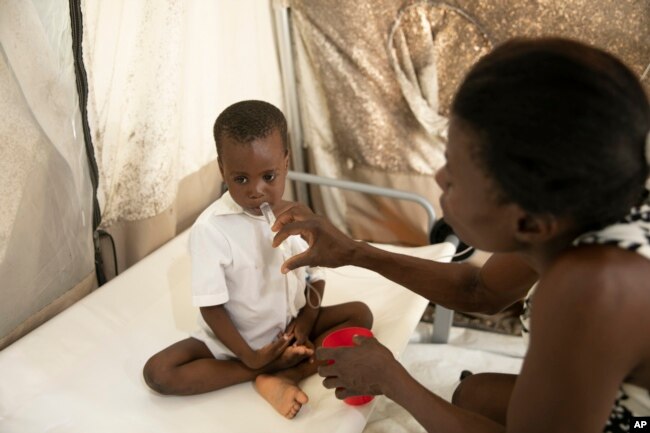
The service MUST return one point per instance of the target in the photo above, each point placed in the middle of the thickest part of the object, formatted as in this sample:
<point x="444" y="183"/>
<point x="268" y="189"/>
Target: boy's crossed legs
<point x="188" y="367"/>
<point x="281" y="388"/>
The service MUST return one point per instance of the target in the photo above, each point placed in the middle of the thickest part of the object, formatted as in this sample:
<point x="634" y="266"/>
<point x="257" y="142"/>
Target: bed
<point x="81" y="371"/>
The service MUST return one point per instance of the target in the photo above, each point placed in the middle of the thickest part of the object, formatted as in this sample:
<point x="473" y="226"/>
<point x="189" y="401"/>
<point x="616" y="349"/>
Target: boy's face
<point x="255" y="172"/>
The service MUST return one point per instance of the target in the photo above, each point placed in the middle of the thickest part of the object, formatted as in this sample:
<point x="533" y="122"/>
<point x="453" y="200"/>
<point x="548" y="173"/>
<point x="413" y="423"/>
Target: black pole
<point x="76" y="24"/>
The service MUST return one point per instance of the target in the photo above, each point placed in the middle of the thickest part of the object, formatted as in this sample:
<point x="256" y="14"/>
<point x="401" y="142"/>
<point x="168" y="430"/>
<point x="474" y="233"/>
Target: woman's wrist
<point x="364" y="255"/>
<point x="358" y="252"/>
<point x="396" y="381"/>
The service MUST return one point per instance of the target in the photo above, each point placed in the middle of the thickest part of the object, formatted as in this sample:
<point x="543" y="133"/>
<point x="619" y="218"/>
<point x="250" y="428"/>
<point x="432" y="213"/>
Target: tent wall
<point x="135" y="239"/>
<point x="46" y="249"/>
<point x="376" y="78"/>
<point x="157" y="77"/>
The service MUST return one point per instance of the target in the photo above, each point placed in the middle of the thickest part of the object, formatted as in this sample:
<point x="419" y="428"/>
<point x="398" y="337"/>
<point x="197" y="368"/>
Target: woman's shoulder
<point x="594" y="301"/>
<point x="598" y="283"/>
<point x="596" y="271"/>
<point x="590" y="310"/>
<point x="600" y="264"/>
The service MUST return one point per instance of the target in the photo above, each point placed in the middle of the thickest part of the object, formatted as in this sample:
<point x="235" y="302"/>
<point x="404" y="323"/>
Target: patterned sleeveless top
<point x="633" y="234"/>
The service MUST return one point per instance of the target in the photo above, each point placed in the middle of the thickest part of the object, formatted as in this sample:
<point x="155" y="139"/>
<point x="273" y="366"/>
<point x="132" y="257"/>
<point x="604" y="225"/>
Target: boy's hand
<point x="301" y="327"/>
<point x="292" y="356"/>
<point x="265" y="355"/>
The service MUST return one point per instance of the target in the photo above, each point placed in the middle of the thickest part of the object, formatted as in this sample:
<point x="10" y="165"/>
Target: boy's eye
<point x="269" y="177"/>
<point x="240" y="179"/>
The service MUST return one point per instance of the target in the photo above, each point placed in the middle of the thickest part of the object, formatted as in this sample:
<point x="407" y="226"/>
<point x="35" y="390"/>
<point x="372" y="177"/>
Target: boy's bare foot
<point x="283" y="394"/>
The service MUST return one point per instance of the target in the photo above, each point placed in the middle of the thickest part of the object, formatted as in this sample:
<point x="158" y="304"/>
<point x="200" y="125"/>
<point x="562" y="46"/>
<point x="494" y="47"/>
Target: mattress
<point x="82" y="370"/>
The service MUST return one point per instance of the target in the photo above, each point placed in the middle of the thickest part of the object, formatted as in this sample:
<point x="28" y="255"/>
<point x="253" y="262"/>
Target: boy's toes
<point x="293" y="411"/>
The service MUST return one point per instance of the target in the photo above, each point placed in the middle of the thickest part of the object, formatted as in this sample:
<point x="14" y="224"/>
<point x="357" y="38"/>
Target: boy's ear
<point x="536" y="228"/>
<point x="286" y="160"/>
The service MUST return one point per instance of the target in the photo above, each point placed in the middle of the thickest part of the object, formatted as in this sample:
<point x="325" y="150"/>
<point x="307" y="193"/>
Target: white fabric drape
<point x="46" y="210"/>
<point x="159" y="73"/>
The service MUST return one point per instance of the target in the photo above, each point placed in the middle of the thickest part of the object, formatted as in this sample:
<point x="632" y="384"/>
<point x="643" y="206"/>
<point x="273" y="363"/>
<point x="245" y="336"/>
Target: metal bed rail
<point x="444" y="316"/>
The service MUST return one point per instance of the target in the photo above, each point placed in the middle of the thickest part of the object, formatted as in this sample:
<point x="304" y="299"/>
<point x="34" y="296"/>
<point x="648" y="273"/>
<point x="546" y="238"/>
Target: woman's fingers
<point x="360" y="369"/>
<point x="328" y="246"/>
<point x="297" y="261"/>
<point x="295" y="212"/>
<point x="326" y="353"/>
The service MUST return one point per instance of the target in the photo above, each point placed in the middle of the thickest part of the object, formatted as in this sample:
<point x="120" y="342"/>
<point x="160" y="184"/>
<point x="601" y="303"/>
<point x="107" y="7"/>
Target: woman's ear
<point x="536" y="228"/>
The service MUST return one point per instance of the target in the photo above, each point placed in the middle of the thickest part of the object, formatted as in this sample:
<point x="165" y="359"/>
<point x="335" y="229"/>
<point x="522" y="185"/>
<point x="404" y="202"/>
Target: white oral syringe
<point x="270" y="219"/>
<point x="269" y="216"/>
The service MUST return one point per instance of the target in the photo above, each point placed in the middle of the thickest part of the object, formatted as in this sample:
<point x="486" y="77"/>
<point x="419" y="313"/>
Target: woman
<point x="546" y="155"/>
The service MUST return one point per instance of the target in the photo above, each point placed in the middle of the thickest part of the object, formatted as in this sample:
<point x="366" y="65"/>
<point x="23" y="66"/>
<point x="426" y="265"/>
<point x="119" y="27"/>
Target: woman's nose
<point x="441" y="177"/>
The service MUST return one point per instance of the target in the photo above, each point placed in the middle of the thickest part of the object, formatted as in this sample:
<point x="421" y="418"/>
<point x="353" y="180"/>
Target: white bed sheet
<point x="438" y="366"/>
<point x="81" y="371"/>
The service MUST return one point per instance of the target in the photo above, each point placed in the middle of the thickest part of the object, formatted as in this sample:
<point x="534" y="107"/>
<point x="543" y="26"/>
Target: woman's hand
<point x="364" y="369"/>
<point x="328" y="246"/>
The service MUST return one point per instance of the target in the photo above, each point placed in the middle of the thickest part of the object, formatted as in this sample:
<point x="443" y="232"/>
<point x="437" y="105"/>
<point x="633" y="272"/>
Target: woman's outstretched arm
<point x="503" y="279"/>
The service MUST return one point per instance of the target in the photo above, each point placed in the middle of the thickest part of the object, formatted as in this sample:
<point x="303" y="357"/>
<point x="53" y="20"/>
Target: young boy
<point x="255" y="323"/>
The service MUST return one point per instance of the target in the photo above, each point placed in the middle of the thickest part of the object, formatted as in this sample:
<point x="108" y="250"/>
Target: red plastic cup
<point x="342" y="338"/>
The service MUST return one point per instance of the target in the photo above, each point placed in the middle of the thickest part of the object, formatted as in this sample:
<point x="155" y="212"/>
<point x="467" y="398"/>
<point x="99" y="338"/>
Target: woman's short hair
<point x="562" y="128"/>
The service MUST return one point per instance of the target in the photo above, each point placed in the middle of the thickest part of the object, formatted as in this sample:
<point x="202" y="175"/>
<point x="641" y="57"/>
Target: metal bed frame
<point x="444" y="316"/>
<point x="281" y="12"/>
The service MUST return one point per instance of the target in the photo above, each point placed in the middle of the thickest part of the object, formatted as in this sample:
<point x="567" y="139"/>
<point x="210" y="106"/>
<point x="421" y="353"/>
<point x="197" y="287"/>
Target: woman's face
<point x="470" y="201"/>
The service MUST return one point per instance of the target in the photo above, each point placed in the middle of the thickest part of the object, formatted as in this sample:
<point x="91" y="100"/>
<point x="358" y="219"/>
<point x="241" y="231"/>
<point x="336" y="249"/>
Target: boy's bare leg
<point x="281" y="389"/>
<point x="340" y="316"/>
<point x="486" y="393"/>
<point x="188" y="367"/>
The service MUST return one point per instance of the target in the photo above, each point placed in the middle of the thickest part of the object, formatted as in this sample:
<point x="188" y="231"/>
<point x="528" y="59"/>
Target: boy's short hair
<point x="246" y="121"/>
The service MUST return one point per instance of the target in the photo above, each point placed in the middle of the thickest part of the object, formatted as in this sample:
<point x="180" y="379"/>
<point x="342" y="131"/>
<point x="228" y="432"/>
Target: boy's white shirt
<point x="234" y="264"/>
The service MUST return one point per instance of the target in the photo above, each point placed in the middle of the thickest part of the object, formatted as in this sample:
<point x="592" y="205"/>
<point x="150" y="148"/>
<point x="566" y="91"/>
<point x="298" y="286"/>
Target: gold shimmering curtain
<point x="376" y="79"/>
